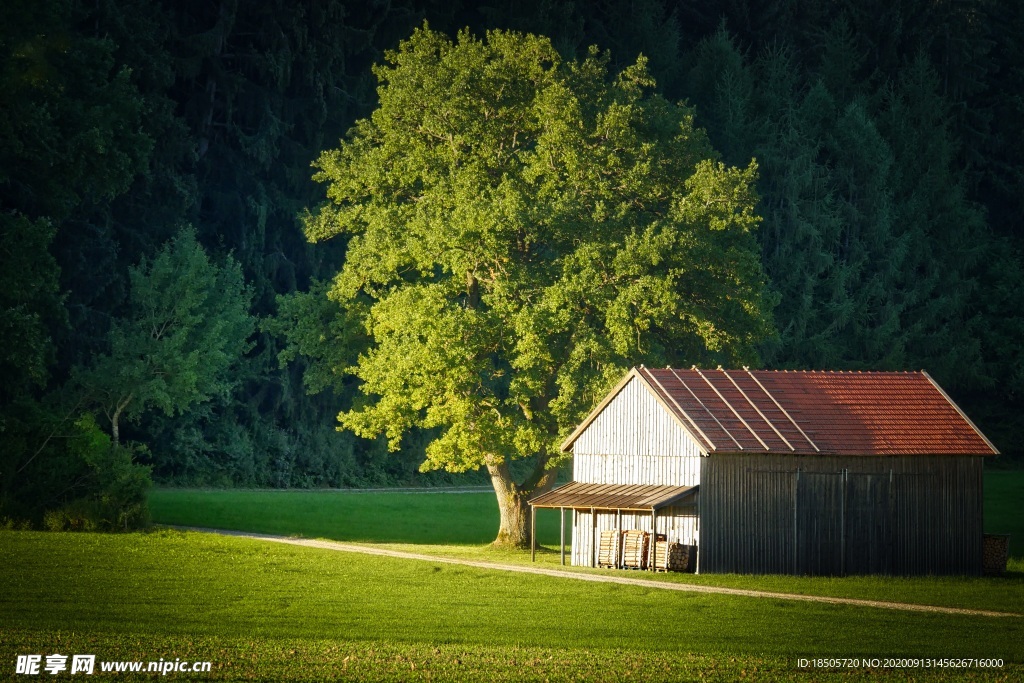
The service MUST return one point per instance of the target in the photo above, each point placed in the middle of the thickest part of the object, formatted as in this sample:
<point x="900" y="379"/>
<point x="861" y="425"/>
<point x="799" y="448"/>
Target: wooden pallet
<point x="608" y="550"/>
<point x="634" y="549"/>
<point x="672" y="557"/>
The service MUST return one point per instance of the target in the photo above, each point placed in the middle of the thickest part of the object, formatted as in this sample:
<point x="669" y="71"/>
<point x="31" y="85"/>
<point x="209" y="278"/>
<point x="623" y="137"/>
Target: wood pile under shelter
<point x="754" y="471"/>
<point x="625" y="544"/>
<point x="610" y="551"/>
<point x="635" y="549"/>
<point x="997" y="553"/>
<point x="673" y="557"/>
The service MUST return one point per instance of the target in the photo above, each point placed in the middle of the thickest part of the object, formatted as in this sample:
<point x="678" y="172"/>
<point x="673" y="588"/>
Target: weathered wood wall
<point x="635" y="441"/>
<point x="841" y="515"/>
<point x="679" y="524"/>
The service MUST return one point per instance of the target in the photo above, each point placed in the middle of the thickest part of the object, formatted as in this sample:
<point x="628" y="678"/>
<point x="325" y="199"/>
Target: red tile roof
<point x="812" y="412"/>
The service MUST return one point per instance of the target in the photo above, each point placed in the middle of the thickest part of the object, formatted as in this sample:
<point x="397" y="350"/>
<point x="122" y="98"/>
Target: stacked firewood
<point x="634" y="549"/>
<point x="672" y="557"/>
<point x="608" y="551"/>
<point x="996" y="552"/>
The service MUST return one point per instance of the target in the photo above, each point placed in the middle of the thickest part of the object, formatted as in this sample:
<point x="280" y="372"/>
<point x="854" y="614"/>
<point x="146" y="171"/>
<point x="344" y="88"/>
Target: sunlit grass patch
<point x="378" y="517"/>
<point x="192" y="585"/>
<point x="382" y="661"/>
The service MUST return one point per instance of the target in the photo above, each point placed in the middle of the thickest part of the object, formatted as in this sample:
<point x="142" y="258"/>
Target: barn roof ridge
<point x="798" y="370"/>
<point x="848" y="412"/>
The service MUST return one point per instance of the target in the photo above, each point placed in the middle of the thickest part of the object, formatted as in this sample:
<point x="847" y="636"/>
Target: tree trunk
<point x="514" y="530"/>
<point x="115" y="432"/>
<point x="115" y="420"/>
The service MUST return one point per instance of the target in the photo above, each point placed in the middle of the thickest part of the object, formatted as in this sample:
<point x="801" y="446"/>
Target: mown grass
<point x="271" y="659"/>
<point x="259" y="610"/>
<point x="459" y="525"/>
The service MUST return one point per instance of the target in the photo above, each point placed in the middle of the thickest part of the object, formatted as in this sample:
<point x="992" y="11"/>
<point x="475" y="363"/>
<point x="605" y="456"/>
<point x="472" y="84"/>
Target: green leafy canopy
<point x="188" y="324"/>
<point x="522" y="229"/>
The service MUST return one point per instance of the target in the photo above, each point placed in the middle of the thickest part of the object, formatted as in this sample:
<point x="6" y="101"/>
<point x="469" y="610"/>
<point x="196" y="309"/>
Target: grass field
<point x="377" y="517"/>
<point x="462" y="519"/>
<point x="267" y="612"/>
<point x="460" y="525"/>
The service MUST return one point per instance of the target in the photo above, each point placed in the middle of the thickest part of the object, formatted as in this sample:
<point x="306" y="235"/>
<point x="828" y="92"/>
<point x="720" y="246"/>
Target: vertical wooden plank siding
<point x="890" y="515"/>
<point x="561" y="534"/>
<point x="634" y="441"/>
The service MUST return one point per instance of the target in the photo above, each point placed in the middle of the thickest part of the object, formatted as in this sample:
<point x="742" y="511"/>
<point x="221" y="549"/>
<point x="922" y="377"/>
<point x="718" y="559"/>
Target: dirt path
<point x="597" y="578"/>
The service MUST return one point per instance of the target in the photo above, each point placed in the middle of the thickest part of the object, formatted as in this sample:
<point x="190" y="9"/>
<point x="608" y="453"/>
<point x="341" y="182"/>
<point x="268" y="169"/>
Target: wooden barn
<point x="758" y="471"/>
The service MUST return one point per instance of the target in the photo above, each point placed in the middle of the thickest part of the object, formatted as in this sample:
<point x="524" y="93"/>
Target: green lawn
<point x="460" y="525"/>
<point x="262" y="611"/>
<point x="377" y="517"/>
<point x="259" y="610"/>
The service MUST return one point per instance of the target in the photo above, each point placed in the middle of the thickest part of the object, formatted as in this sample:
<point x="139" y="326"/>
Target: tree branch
<point x="541" y="478"/>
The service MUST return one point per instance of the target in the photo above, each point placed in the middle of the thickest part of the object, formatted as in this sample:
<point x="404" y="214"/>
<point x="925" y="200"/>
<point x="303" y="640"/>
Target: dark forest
<point x="164" y="317"/>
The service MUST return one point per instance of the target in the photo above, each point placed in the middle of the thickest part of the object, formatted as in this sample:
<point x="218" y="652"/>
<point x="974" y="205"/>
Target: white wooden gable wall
<point x="634" y="440"/>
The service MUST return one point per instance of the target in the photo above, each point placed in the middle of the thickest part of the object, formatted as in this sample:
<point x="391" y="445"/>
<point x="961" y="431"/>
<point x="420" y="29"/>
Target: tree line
<point x="164" y="316"/>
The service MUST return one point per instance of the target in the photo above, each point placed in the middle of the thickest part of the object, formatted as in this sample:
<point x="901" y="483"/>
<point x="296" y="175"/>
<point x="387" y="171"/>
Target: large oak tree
<point x="521" y="229"/>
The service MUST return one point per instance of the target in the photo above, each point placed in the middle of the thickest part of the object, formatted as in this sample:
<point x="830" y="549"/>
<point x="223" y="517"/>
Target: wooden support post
<point x="577" y="537"/>
<point x="533" y="534"/>
<point x="593" y="537"/>
<point x="654" y="541"/>
<point x="618" y="539"/>
<point x="561" y="532"/>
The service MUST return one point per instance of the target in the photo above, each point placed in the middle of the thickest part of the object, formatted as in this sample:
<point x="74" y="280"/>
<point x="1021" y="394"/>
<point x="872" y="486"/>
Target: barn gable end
<point x="635" y="440"/>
